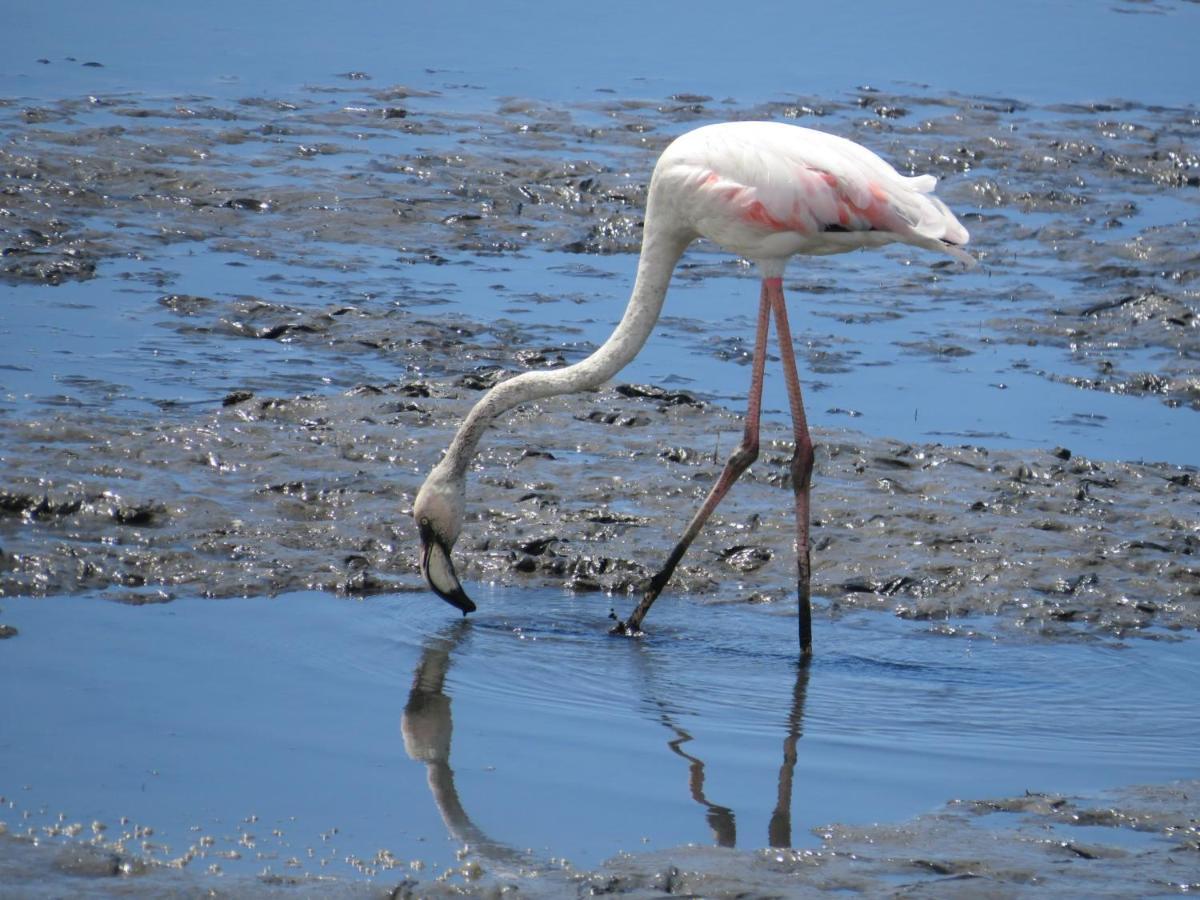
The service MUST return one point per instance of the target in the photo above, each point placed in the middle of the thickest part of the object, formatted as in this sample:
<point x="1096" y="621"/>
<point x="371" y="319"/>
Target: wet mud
<point x="1103" y="195"/>
<point x="294" y="478"/>
<point x="266" y="489"/>
<point x="588" y="493"/>
<point x="1137" y="841"/>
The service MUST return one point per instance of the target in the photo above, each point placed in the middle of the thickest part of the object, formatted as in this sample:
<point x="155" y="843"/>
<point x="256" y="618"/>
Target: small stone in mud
<point x="653" y="392"/>
<point x="233" y="398"/>
<point x="7" y="631"/>
<point x="185" y="304"/>
<point x="141" y="514"/>
<point x="746" y="559"/>
<point x="481" y="380"/>
<point x="677" y="454"/>
<point x="616" y="418"/>
<point x="248" y="203"/>
<point x="538" y="547"/>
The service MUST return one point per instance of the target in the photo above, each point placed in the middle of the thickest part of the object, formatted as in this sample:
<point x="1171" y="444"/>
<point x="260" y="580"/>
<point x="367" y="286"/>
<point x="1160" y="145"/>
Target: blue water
<point x="1059" y="52"/>
<point x="537" y="735"/>
<point x="297" y="714"/>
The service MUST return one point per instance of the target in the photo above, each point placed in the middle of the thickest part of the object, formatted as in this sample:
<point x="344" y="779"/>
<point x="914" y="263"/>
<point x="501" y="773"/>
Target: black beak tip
<point x="456" y="597"/>
<point x="462" y="601"/>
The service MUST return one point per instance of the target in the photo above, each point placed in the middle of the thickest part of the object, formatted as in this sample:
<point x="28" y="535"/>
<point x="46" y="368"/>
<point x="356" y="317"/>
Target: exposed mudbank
<point x="263" y="491"/>
<point x="1103" y="196"/>
<point x="589" y="492"/>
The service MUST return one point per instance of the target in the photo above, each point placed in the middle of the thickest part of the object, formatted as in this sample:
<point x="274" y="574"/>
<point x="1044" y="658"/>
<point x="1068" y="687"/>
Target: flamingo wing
<point x="826" y="193"/>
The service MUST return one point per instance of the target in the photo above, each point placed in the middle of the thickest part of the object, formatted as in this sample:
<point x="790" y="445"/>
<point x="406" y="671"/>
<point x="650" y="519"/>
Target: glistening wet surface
<point x="315" y="735"/>
<point x="256" y="266"/>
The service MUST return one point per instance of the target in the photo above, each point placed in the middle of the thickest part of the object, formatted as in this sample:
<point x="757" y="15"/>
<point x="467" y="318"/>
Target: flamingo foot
<point x="633" y="626"/>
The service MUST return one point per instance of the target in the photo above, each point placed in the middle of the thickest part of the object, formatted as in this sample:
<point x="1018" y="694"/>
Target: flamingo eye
<point x="424" y="520"/>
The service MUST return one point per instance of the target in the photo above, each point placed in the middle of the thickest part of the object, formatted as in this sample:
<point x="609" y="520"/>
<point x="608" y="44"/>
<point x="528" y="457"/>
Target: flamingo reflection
<point x="427" y="727"/>
<point x="721" y="819"/>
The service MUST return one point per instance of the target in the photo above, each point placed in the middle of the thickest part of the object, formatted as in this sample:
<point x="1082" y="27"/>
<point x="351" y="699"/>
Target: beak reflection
<point x="427" y="727"/>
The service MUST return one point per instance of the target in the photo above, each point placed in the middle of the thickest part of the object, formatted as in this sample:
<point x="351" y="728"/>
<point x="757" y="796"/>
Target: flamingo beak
<point x="439" y="571"/>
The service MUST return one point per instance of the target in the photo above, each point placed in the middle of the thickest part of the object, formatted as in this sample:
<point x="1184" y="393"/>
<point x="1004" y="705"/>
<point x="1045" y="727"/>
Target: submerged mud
<point x="1138" y="841"/>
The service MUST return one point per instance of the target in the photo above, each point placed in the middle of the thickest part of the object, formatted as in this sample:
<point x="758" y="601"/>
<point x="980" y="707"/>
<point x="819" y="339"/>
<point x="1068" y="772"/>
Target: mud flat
<point x="242" y="332"/>
<point x="588" y="493"/>
<point x="249" y="485"/>
<point x="1140" y="841"/>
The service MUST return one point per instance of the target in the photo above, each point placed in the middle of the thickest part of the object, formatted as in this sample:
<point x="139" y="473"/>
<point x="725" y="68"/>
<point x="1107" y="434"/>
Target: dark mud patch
<point x="1139" y="344"/>
<point x="272" y="494"/>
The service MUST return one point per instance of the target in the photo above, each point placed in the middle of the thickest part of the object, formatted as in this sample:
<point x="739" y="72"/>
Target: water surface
<point x="330" y="729"/>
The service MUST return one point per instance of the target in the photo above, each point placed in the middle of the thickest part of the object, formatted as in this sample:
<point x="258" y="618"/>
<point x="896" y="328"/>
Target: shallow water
<point x="344" y="212"/>
<point x="1077" y="51"/>
<point x="331" y="729"/>
<point x="107" y="344"/>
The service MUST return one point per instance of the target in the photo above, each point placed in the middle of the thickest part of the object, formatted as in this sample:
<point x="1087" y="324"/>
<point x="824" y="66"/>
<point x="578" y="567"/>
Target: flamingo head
<point x="438" y="512"/>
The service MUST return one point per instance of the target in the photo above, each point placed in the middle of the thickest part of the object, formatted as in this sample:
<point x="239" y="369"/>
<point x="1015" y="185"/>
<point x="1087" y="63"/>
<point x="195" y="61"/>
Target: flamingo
<point x="765" y="191"/>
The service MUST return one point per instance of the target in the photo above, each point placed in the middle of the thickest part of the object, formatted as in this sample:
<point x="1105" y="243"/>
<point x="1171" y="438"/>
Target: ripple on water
<point x="410" y="728"/>
<point x="732" y="669"/>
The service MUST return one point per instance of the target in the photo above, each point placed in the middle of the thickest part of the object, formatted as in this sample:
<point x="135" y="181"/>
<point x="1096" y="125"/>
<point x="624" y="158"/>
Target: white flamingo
<point x="765" y="191"/>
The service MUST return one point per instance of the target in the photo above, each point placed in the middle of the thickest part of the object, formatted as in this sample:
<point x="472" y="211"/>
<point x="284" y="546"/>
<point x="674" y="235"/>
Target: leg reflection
<point x="779" y="831"/>
<point x="427" y="727"/>
<point x="721" y="819"/>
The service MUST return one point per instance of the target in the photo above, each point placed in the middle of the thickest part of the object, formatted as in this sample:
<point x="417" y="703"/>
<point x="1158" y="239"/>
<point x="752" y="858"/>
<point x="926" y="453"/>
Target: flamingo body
<point x="765" y="191"/>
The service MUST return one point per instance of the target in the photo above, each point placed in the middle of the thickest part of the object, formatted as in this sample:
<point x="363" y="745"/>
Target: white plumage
<point x="766" y="190"/>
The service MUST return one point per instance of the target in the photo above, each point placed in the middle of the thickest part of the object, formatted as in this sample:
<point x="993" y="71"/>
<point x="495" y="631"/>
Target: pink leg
<point x="741" y="459"/>
<point x="802" y="459"/>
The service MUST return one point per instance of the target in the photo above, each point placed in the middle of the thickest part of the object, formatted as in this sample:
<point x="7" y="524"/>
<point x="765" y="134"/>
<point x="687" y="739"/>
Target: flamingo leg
<point x="802" y="459"/>
<point x="743" y="456"/>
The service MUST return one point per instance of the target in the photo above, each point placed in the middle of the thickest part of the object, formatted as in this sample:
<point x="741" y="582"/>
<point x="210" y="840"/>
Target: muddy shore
<point x="218" y="484"/>
<point x="1139" y="841"/>
<point x="586" y="492"/>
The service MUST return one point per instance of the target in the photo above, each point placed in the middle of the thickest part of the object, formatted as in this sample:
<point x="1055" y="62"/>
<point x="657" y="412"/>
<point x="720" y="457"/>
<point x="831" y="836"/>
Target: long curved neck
<point x="661" y="250"/>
